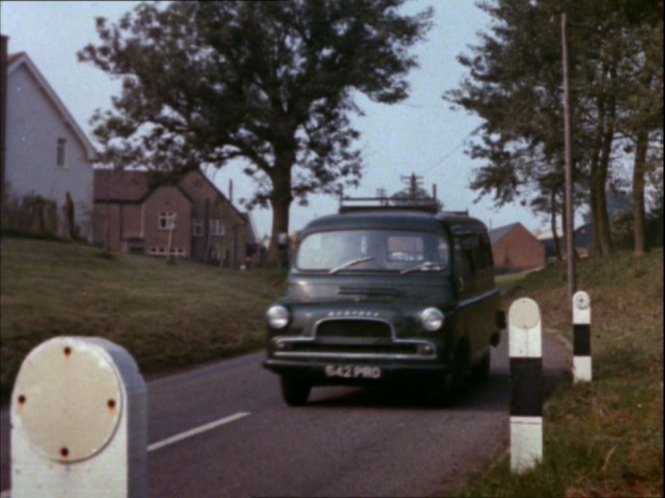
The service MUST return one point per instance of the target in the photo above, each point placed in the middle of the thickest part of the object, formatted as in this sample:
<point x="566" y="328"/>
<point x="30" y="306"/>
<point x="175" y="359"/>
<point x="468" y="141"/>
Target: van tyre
<point x="442" y="393"/>
<point x="481" y="372"/>
<point x="461" y="367"/>
<point x="295" y="392"/>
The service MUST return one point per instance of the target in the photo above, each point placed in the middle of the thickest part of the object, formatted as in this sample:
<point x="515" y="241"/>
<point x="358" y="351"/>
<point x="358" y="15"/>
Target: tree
<point x="514" y="85"/>
<point x="271" y="83"/>
<point x="642" y="98"/>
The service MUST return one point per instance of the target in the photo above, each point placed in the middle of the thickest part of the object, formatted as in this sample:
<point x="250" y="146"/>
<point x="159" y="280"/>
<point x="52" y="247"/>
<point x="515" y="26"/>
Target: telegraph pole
<point x="413" y="183"/>
<point x="570" y="242"/>
<point x="382" y="194"/>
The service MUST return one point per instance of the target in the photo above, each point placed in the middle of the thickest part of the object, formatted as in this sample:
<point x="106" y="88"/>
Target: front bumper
<point x="314" y="371"/>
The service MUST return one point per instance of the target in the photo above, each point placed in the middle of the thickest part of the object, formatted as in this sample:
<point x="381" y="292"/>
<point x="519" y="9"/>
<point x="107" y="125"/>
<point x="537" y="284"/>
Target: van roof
<point x="397" y="220"/>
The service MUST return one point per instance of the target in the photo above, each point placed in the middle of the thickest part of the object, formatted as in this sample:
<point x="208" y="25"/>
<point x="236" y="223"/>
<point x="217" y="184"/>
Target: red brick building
<point x="191" y="220"/>
<point x="516" y="249"/>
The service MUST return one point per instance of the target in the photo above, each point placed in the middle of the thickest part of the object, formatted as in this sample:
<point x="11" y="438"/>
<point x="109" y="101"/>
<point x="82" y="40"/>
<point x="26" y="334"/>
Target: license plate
<point x="353" y="372"/>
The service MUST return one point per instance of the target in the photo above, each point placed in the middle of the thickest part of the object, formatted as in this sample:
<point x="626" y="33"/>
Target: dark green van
<point x="382" y="294"/>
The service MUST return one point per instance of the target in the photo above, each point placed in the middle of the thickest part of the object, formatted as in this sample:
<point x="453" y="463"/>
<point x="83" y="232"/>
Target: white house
<point x="46" y="153"/>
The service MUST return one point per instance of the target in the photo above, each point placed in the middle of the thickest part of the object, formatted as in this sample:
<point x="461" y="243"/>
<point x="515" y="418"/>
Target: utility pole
<point x="382" y="194"/>
<point x="413" y="184"/>
<point x="570" y="228"/>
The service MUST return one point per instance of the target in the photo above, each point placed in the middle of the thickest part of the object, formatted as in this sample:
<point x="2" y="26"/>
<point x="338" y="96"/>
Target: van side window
<point x="478" y="258"/>
<point x="464" y="266"/>
<point x="482" y="255"/>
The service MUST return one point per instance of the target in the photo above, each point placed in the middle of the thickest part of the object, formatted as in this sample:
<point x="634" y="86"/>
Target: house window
<point x="197" y="227"/>
<point x="166" y="220"/>
<point x="216" y="227"/>
<point x="60" y="154"/>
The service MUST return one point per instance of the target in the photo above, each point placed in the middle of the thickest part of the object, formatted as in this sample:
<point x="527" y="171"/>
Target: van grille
<point x="357" y="349"/>
<point x="370" y="329"/>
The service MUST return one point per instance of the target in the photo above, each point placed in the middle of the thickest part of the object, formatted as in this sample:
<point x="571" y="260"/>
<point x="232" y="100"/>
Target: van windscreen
<point x="354" y="250"/>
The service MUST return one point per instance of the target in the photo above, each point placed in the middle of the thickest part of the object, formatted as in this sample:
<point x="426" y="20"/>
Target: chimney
<point x="231" y="191"/>
<point x="4" y="57"/>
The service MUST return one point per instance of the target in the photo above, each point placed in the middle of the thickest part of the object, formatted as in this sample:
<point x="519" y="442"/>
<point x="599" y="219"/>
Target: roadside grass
<point x="604" y="438"/>
<point x="167" y="316"/>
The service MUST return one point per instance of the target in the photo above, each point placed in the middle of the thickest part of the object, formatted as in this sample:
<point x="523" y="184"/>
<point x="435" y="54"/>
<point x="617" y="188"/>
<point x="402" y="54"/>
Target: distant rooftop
<point x="121" y="186"/>
<point x="498" y="234"/>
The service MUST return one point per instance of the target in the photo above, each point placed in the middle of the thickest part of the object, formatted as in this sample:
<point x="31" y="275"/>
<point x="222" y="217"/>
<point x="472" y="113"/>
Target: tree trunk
<point x="639" y="216"/>
<point x="280" y="200"/>
<point x="555" y="237"/>
<point x="600" y="184"/>
<point x="593" y="177"/>
<point x="602" y="238"/>
<point x="564" y="236"/>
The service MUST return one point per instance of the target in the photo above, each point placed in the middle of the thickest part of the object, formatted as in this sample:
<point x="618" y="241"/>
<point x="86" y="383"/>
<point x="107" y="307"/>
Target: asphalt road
<point x="346" y="442"/>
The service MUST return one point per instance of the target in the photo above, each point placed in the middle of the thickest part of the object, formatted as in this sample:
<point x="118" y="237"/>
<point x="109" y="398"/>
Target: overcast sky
<point x="420" y="135"/>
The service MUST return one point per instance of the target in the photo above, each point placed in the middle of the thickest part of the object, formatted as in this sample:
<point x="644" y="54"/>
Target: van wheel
<point x="461" y="368"/>
<point x="442" y="393"/>
<point x="481" y="372"/>
<point x="295" y="392"/>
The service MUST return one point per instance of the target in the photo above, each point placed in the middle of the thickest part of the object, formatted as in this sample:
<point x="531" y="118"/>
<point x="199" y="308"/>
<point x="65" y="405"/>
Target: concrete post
<point x="79" y="422"/>
<point x="526" y="385"/>
<point x="581" y="337"/>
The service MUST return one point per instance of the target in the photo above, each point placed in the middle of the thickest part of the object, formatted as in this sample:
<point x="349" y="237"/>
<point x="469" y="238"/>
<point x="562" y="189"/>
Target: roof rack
<point x="355" y="204"/>
<point x="456" y="213"/>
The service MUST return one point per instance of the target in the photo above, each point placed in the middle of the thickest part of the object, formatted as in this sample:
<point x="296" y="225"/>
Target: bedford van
<point x="382" y="293"/>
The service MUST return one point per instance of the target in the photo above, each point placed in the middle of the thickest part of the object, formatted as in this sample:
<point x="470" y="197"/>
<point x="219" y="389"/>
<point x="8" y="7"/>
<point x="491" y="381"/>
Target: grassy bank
<point x="604" y="438"/>
<point x="167" y="316"/>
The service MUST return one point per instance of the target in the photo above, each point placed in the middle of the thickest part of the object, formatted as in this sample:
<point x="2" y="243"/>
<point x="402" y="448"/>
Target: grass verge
<point x="167" y="316"/>
<point x="604" y="438"/>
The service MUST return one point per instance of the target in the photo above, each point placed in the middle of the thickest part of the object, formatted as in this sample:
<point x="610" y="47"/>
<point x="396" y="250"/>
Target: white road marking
<point x="197" y="430"/>
<point x="178" y="437"/>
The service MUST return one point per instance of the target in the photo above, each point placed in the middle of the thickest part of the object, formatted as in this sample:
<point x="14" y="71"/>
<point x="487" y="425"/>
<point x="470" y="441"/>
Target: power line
<point x="449" y="153"/>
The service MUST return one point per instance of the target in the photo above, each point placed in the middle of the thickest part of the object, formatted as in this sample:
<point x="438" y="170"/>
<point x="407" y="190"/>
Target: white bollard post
<point x="581" y="337"/>
<point x="79" y="422"/>
<point x="526" y="383"/>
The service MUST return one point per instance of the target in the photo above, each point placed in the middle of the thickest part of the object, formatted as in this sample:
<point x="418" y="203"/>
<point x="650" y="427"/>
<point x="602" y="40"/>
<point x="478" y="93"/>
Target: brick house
<point x="192" y="219"/>
<point x="516" y="249"/>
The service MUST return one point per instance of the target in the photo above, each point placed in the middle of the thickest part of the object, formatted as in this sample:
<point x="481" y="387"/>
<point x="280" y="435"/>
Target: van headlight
<point x="277" y="316"/>
<point x="432" y="319"/>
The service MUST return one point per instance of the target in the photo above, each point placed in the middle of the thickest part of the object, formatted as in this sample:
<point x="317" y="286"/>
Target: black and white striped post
<point x="526" y="385"/>
<point x="581" y="337"/>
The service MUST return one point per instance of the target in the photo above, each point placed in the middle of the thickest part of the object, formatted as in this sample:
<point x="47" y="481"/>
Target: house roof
<point x="546" y="235"/>
<point x="205" y="177"/>
<point x="121" y="186"/>
<point x="583" y="236"/>
<point x="22" y="59"/>
<point x="12" y="57"/>
<point x="500" y="233"/>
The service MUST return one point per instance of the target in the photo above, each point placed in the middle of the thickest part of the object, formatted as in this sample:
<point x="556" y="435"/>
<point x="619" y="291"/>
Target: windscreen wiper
<point x="424" y="266"/>
<point x="348" y="264"/>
